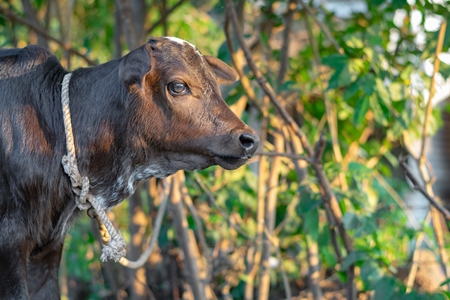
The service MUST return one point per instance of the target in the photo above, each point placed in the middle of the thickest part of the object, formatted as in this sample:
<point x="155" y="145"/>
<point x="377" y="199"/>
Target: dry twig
<point x="192" y="274"/>
<point x="421" y="189"/>
<point x="288" y="155"/>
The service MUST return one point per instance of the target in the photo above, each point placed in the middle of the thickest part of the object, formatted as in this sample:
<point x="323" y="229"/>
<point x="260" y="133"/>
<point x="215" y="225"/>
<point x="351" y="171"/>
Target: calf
<point x="151" y="113"/>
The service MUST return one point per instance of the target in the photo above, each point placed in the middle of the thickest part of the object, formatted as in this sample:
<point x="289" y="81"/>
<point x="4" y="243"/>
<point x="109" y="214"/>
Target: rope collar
<point x="115" y="248"/>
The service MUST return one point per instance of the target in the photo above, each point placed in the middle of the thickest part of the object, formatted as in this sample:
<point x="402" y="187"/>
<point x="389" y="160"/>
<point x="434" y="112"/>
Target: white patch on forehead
<point x="182" y="42"/>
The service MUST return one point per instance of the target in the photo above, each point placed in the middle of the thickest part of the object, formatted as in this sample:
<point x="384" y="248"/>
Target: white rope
<point x="115" y="249"/>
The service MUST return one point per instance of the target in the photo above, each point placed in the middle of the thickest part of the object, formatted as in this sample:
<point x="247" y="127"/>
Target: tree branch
<point x="322" y="26"/>
<point x="155" y="233"/>
<point x="191" y="271"/>
<point x="420" y="188"/>
<point x="161" y="20"/>
<point x="284" y="52"/>
<point x="30" y="14"/>
<point x="262" y="81"/>
<point x="8" y="14"/>
<point x="288" y="155"/>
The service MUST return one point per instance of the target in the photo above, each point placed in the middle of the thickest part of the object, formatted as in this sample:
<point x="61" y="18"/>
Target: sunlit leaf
<point x="362" y="106"/>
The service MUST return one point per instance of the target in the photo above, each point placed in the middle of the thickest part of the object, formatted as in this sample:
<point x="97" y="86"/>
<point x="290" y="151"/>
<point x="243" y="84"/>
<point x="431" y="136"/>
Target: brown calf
<point x="151" y="113"/>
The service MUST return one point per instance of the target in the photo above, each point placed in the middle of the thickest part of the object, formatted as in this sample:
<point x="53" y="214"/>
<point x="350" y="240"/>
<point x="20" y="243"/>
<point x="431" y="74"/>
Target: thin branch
<point x="269" y="217"/>
<point x="416" y="258"/>
<point x="212" y="201"/>
<point x="199" y="228"/>
<point x="284" y="60"/>
<point x="237" y="60"/>
<point x="420" y="188"/>
<point x="30" y="14"/>
<point x="45" y="34"/>
<point x="288" y="155"/>
<point x="284" y="277"/>
<point x="265" y="86"/>
<point x="426" y="123"/>
<point x="400" y="202"/>
<point x="7" y="13"/>
<point x="191" y="272"/>
<point x="161" y="20"/>
<point x="424" y="165"/>
<point x="276" y="244"/>
<point x="254" y="263"/>
<point x="329" y="106"/>
<point x="128" y="25"/>
<point x="312" y="249"/>
<point x="322" y="26"/>
<point x="157" y="227"/>
<point x="334" y="214"/>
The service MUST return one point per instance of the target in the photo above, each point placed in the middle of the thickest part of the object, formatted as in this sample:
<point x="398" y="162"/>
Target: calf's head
<point x="179" y="118"/>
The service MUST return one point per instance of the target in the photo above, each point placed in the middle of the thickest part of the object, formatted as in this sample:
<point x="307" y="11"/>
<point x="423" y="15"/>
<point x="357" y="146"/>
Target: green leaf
<point x="335" y="61"/>
<point x="367" y="227"/>
<point x="353" y="258"/>
<point x="373" y="37"/>
<point x="353" y="42"/>
<point x="447" y="294"/>
<point x="361" y="108"/>
<point x="445" y="282"/>
<point x="351" y="90"/>
<point x="397" y="91"/>
<point x="391" y="158"/>
<point x="397" y="4"/>
<point x="346" y="74"/>
<point x="377" y="2"/>
<point x="311" y="224"/>
<point x="370" y="273"/>
<point x="308" y="202"/>
<point x="382" y="91"/>
<point x="438" y="296"/>
<point x="350" y="221"/>
<point x="358" y="168"/>
<point x="328" y="257"/>
<point x="380" y="111"/>
<point x="444" y="69"/>
<point x="368" y="83"/>
<point x="384" y="289"/>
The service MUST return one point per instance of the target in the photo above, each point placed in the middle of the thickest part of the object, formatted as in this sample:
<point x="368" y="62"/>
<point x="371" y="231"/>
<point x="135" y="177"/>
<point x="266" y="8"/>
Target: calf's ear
<point x="223" y="72"/>
<point x="134" y="66"/>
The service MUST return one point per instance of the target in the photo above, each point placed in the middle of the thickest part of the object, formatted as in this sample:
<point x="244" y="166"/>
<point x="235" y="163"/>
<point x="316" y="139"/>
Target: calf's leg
<point x="43" y="273"/>
<point x="13" y="269"/>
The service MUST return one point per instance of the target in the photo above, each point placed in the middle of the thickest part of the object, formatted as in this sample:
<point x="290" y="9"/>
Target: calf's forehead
<point x="177" y="55"/>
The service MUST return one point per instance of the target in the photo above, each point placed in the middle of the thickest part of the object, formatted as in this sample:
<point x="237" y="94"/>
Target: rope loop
<point x="115" y="248"/>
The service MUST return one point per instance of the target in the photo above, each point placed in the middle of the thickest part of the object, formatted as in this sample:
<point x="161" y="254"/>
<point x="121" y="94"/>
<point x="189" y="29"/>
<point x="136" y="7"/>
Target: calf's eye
<point x="177" y="88"/>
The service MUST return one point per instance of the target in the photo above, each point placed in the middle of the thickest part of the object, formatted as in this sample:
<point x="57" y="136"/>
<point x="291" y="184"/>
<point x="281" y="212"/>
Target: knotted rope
<point x="115" y="248"/>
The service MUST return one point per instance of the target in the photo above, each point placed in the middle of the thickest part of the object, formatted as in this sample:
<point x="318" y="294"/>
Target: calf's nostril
<point x="249" y="142"/>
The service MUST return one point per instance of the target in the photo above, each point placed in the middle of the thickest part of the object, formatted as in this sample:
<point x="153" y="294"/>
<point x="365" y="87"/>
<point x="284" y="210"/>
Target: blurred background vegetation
<point x="340" y="93"/>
